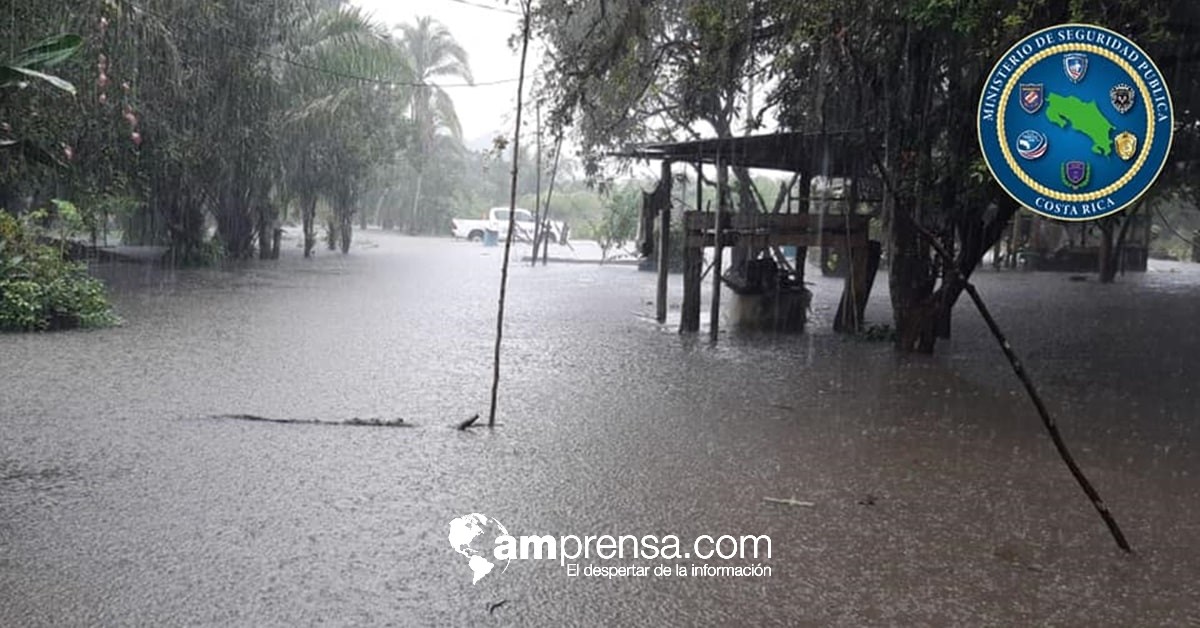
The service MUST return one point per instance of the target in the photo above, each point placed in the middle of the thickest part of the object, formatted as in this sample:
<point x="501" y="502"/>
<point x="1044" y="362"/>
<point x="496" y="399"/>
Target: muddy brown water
<point x="936" y="498"/>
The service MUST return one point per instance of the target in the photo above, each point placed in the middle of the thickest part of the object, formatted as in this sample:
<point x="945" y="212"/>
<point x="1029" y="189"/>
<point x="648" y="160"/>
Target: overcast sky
<point x="485" y="110"/>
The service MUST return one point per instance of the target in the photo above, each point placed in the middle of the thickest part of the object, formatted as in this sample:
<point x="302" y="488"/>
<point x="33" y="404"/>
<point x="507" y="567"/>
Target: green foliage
<point x="1174" y="228"/>
<point x="44" y="54"/>
<point x="39" y="289"/>
<point x="337" y="134"/>
<point x="627" y="71"/>
<point x="197" y="116"/>
<point x="15" y="73"/>
<point x="434" y="137"/>
<point x="619" y="223"/>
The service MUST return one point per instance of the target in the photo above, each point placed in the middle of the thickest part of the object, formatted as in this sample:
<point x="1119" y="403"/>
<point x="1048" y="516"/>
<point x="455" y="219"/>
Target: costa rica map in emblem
<point x="1075" y="122"/>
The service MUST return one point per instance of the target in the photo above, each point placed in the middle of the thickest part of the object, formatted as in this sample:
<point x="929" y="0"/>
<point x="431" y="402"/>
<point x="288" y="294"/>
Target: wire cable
<point x="1173" y="230"/>
<point x="345" y="75"/>
<point x="488" y="6"/>
<point x="377" y="81"/>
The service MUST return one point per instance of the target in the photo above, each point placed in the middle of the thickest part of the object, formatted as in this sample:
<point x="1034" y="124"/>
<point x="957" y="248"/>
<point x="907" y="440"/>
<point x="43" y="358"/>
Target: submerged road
<point x="930" y="494"/>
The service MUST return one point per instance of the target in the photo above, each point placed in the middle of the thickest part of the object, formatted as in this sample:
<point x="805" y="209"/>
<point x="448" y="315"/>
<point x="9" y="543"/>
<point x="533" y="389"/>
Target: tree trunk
<point x="308" y="213"/>
<point x="236" y="229"/>
<point x="975" y="237"/>
<point x="346" y="228"/>
<point x="413" y="218"/>
<point x="1111" y="261"/>
<point x="911" y="280"/>
<point x="264" y="235"/>
<point x="1108" y="269"/>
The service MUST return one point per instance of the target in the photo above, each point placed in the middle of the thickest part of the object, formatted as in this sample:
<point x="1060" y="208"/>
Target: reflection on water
<point x="937" y="499"/>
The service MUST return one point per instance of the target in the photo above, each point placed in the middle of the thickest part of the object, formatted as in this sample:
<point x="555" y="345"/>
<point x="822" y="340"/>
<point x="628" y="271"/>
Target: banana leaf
<point x="47" y="53"/>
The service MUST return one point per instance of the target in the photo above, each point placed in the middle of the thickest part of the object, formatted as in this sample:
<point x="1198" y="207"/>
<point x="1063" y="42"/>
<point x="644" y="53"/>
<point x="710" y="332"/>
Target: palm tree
<point x="432" y="54"/>
<point x="337" y="125"/>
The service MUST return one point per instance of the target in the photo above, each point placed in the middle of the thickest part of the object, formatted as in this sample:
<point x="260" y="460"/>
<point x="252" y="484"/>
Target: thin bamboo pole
<point x="1018" y="368"/>
<point x="512" y="213"/>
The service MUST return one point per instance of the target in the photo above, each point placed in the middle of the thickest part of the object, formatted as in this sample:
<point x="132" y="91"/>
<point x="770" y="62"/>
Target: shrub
<point x="40" y="289"/>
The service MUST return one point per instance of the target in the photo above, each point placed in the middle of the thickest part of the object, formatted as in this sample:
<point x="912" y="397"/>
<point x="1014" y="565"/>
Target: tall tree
<point x="339" y="124"/>
<point x="434" y="55"/>
<point x="905" y="74"/>
<point x="196" y="114"/>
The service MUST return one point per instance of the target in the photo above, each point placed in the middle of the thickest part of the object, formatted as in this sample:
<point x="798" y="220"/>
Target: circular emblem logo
<point x="1075" y="122"/>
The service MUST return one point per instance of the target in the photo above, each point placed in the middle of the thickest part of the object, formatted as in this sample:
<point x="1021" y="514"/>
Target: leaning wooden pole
<point x="1019" y="369"/>
<point x="512" y="213"/>
<point x="549" y="197"/>
<point x="537" y="195"/>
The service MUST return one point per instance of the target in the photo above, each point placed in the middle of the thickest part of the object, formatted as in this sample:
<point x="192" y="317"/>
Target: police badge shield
<point x="1076" y="174"/>
<point x="1126" y="145"/>
<point x="1032" y="97"/>
<point x="1075" y="64"/>
<point x="1122" y="97"/>
<point x="1031" y="144"/>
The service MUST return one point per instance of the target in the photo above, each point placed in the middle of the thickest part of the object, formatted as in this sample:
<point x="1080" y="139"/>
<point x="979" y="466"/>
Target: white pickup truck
<point x="497" y="220"/>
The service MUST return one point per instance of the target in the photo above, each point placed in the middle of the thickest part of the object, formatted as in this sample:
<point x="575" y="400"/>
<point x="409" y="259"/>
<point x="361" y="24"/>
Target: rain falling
<point x="618" y="312"/>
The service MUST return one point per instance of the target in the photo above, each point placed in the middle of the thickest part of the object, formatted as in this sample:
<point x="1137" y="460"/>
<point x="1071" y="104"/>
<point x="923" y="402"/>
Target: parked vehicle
<point x="497" y="220"/>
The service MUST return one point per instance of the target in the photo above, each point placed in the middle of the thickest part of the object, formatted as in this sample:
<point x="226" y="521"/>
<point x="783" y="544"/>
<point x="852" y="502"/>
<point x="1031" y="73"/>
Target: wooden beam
<point x="775" y="223"/>
<point x="840" y="241"/>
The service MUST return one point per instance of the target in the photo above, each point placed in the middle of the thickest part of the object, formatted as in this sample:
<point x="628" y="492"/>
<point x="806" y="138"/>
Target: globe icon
<point x="474" y="536"/>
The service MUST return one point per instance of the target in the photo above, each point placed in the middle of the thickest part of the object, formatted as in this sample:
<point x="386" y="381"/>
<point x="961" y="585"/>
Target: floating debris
<point x="372" y="422"/>
<point x="468" y="423"/>
<point x="790" y="501"/>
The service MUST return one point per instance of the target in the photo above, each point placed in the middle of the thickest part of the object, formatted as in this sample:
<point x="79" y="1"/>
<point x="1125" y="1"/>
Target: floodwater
<point x="936" y="498"/>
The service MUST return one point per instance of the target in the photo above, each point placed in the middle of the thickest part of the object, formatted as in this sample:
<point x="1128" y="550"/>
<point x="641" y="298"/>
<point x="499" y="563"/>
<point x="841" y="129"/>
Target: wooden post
<point x="693" y="267"/>
<point x="550" y="197"/>
<point x="803" y="206"/>
<point x="537" y="203"/>
<point x="714" y="323"/>
<point x="693" y="263"/>
<point x="664" y="242"/>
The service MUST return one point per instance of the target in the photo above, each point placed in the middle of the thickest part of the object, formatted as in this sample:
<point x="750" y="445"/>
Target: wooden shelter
<point x="829" y="156"/>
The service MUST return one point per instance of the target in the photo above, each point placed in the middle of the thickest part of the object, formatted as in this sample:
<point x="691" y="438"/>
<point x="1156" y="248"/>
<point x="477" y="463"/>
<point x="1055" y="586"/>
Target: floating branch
<point x="468" y="423"/>
<point x="788" y="501"/>
<point x="372" y="422"/>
